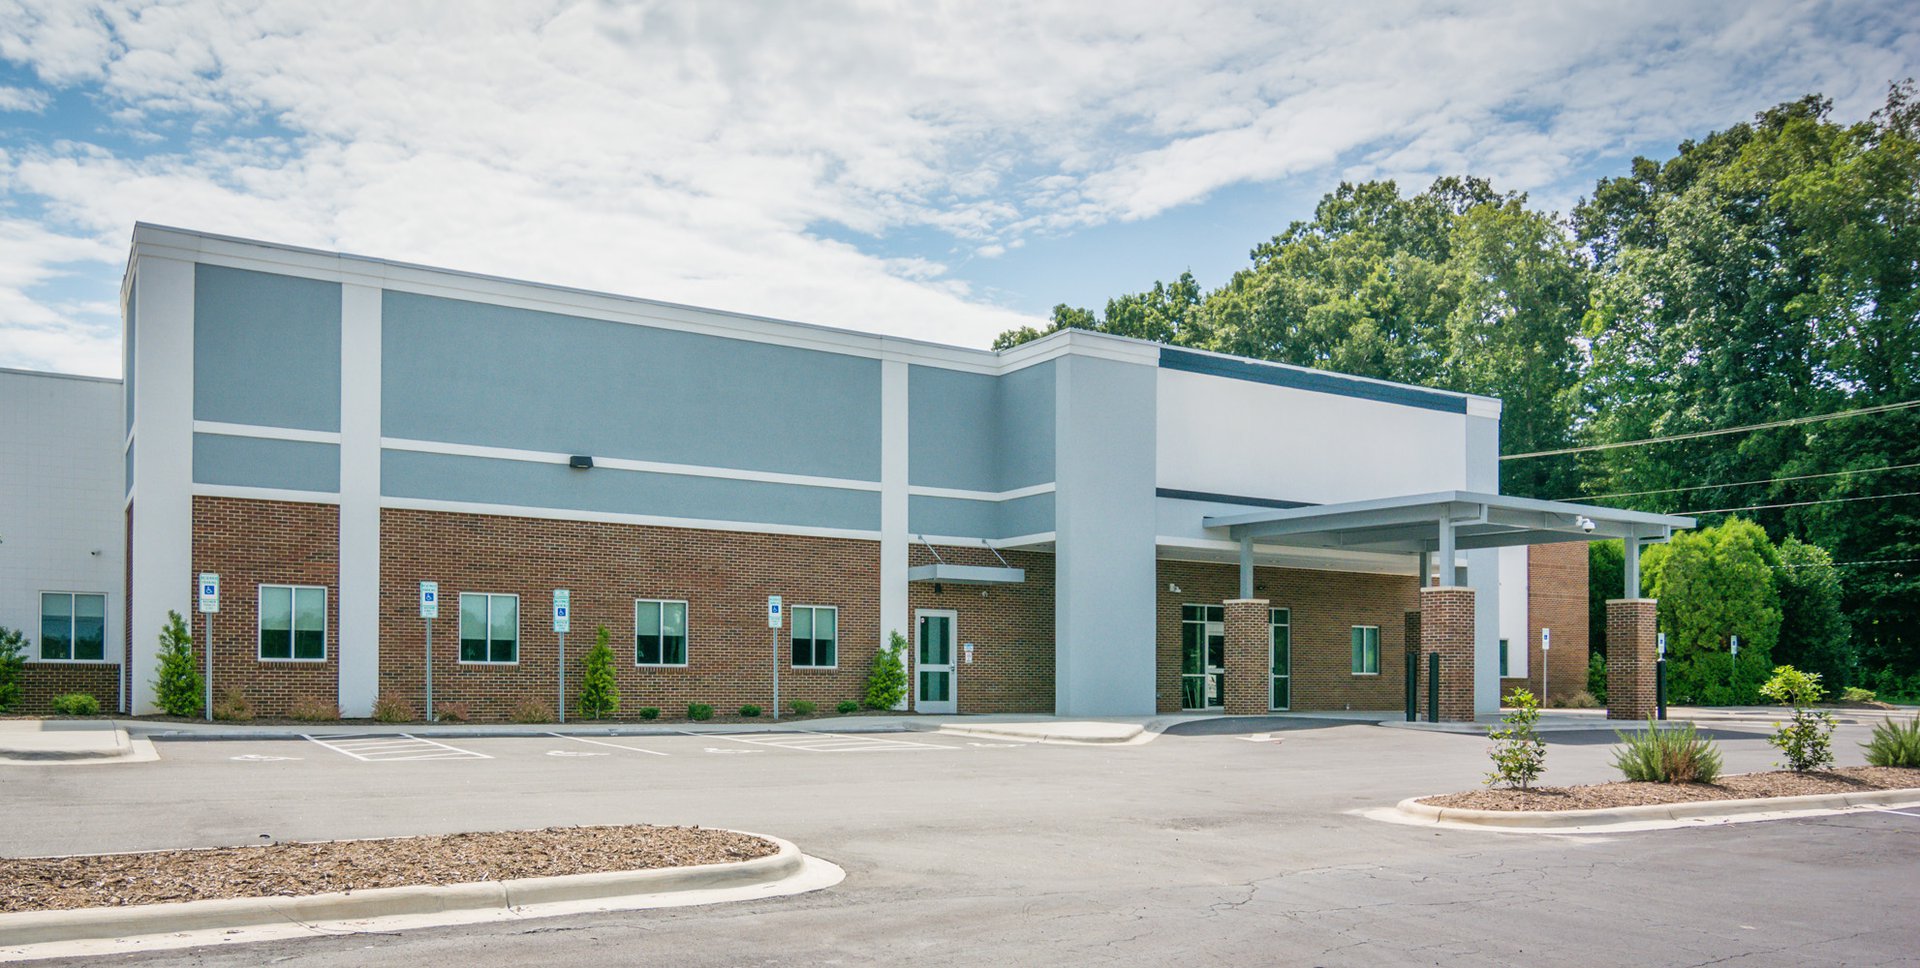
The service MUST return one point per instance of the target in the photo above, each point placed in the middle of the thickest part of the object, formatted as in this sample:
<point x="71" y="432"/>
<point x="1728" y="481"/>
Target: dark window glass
<point x="56" y="626"/>
<point x="90" y="627"/>
<point x="276" y="622"/>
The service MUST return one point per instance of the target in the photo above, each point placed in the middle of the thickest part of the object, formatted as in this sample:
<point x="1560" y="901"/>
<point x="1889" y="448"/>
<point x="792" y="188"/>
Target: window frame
<point x="459" y="640"/>
<point x="293" y="620"/>
<point x="1279" y="618"/>
<point x="813" y="617"/>
<point x="38" y="654"/>
<point x="1358" y="669"/>
<point x="1505" y="647"/>
<point x="686" y="635"/>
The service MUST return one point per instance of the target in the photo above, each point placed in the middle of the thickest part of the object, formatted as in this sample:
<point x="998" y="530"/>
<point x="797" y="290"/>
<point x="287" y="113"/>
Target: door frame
<point x="953" y="663"/>
<point x="1271" y="675"/>
<point x="1206" y="675"/>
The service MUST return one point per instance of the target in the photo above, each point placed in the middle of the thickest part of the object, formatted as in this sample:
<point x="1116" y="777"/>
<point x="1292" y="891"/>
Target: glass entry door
<point x="1280" y="622"/>
<point x="1203" y="656"/>
<point x="934" y="640"/>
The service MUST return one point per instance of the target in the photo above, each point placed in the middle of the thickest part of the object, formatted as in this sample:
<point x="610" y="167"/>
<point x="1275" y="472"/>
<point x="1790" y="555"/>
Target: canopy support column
<point x="1246" y="567"/>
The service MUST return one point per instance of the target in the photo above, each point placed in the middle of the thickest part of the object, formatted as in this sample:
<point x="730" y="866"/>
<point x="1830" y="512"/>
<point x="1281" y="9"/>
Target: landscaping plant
<point x="699" y="711"/>
<point x="599" y="692"/>
<point x="13" y="661"/>
<point x="1519" y="757"/>
<point x="313" y="709"/>
<point x="1580" y="700"/>
<point x="1597" y="678"/>
<point x="177" y="684"/>
<point x="1806" y="738"/>
<point x="649" y="712"/>
<point x="802" y="707"/>
<point x="529" y="711"/>
<point x="887" y="681"/>
<point x="1895" y="744"/>
<point x="1675" y="755"/>
<point x="749" y="710"/>
<point x="452" y="712"/>
<point x="847" y="706"/>
<point x="393" y="709"/>
<point x="76" y="704"/>
<point x="232" y="706"/>
<point x="1857" y="694"/>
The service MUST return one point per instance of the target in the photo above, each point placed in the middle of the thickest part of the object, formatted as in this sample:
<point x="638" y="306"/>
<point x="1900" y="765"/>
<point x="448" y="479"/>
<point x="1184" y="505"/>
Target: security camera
<point x="1586" y="524"/>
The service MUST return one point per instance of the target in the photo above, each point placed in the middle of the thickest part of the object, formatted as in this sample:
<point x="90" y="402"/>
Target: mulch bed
<point x="1740" y="786"/>
<point x="291" y="870"/>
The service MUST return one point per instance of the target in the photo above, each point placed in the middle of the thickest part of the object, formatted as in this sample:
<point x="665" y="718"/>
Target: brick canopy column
<point x="1446" y="627"/>
<point x="1249" y="640"/>
<point x="1631" y="647"/>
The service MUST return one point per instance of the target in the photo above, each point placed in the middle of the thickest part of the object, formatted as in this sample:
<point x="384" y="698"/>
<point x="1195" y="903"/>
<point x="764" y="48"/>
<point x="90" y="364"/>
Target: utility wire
<point x="1802" y="504"/>
<point x="1708" y="487"/>
<point x="1789" y="422"/>
<point x="1863" y="561"/>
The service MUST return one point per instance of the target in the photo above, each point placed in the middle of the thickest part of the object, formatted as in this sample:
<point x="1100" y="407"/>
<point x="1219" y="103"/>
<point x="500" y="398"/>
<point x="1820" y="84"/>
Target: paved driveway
<point x="1236" y="848"/>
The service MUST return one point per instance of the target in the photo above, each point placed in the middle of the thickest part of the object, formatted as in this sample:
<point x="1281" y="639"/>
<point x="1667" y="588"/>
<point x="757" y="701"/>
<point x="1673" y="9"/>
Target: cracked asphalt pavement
<point x="1242" y="847"/>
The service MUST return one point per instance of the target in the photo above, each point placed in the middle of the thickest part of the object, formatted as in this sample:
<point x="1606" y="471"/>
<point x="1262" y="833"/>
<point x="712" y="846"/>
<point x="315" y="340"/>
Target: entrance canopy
<point x="1442" y="523"/>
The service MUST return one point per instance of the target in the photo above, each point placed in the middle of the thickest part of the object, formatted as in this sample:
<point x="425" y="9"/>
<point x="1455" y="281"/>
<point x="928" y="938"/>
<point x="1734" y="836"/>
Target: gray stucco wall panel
<point x="590" y="386"/>
<point x="266" y="349"/>
<point x="978" y="432"/>
<point x="258" y="462"/>
<point x="1024" y="423"/>
<point x="960" y="518"/>
<point x="485" y="480"/>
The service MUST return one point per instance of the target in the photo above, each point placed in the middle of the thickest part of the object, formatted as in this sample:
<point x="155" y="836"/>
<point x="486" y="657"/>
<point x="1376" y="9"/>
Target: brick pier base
<point x="1631" y="648"/>
<point x="1249" y="638"/>
<point x="1446" y="628"/>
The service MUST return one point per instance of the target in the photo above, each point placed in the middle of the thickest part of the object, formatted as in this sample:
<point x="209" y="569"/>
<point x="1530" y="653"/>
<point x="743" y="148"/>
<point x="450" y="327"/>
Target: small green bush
<point x="1807" y="737"/>
<point x="1895" y="744"/>
<point x="1597" y="677"/>
<point x="1675" y="755"/>
<point x="1857" y="694"/>
<point x="13" y="664"/>
<point x="177" y="685"/>
<point x="232" y="706"/>
<point x="393" y="709"/>
<point x="312" y="709"/>
<point x="847" y="706"/>
<point x="76" y="704"/>
<point x="530" y="711"/>
<point x="1519" y="757"/>
<point x="802" y="707"/>
<point x="699" y="711"/>
<point x="599" y="691"/>
<point x="887" y="680"/>
<point x="649" y="712"/>
<point x="749" y="710"/>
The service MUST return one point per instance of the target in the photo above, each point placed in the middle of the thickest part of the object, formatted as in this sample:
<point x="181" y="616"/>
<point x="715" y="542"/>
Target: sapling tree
<point x="1519" y="757"/>
<point x="887" y="681"/>
<point x="13" y="662"/>
<point x="177" y="685"/>
<point x="599" y="691"/>
<point x="1807" y="737"/>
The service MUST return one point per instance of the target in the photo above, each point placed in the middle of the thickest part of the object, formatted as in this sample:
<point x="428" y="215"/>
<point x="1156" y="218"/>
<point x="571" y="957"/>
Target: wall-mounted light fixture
<point x="580" y="462"/>
<point x="1171" y="587"/>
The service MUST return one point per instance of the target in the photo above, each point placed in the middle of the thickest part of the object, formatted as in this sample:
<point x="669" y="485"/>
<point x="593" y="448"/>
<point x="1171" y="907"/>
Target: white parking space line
<point x="812" y="742"/>
<point x="394" y="747"/>
<point x="597" y="742"/>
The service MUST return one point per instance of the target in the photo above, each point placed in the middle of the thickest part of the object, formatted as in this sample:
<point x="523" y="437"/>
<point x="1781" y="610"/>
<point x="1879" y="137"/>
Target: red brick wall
<point x="725" y="578"/>
<point x="1556" y="599"/>
<point x="41" y="681"/>
<point x="1632" y="648"/>
<point x="1446" y="628"/>
<point x="1324" y="606"/>
<point x="1010" y="626"/>
<point x="1249" y="632"/>
<point x="250" y="543"/>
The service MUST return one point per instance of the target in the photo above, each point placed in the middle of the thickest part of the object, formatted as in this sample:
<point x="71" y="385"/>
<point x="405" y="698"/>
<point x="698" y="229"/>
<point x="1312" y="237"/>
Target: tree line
<point x="1764" y="274"/>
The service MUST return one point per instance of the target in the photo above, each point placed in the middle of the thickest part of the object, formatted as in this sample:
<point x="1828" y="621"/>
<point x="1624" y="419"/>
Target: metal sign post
<point x="209" y="604"/>
<point x="430" y="610"/>
<point x="773" y="624"/>
<point x="562" y="606"/>
<point x="1546" y="642"/>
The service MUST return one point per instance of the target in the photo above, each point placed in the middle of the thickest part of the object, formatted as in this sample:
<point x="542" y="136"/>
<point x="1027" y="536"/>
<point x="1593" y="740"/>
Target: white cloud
<point x="688" y="151"/>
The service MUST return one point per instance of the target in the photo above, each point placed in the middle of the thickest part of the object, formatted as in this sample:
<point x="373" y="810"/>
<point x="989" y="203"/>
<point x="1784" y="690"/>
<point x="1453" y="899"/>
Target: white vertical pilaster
<point x="893" y="504"/>
<point x="359" y="639"/>
<point x="163" y="469"/>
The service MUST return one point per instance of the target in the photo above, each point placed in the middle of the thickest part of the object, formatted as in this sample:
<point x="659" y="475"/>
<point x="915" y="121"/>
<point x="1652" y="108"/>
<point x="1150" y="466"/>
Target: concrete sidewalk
<point x="40" y="741"/>
<point x="1037" y="728"/>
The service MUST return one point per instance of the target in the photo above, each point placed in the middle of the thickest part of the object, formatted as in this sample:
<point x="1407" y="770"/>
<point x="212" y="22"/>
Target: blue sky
<point x="943" y="172"/>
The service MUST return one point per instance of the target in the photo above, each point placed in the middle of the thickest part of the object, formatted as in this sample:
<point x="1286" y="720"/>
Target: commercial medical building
<point x="1083" y="524"/>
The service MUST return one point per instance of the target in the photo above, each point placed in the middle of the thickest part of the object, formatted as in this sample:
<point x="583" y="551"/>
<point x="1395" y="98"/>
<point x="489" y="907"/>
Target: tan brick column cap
<point x="1631" y="601"/>
<point x="1246" y="601"/>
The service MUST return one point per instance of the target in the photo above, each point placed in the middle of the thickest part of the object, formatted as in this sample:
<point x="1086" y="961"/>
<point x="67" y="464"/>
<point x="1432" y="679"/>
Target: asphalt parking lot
<point x="1240" y="847"/>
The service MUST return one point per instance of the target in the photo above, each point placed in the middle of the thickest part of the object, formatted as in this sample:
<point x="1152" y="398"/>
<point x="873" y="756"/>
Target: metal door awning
<point x="948" y="573"/>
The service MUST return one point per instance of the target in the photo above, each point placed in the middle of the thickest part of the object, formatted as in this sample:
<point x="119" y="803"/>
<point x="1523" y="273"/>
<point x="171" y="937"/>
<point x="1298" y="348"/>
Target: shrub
<point x="649" y="712"/>
<point x="313" y="709"/>
<point x="1581" y="700"/>
<point x="847" y="706"/>
<point x="76" y="704"/>
<point x="177" y="685"/>
<point x="802" y="707"/>
<point x="887" y="680"/>
<point x="232" y="706"/>
<point x="1597" y="678"/>
<point x="1895" y="744"/>
<point x="749" y="710"/>
<point x="699" y="711"/>
<point x="529" y="711"/>
<point x="599" y="692"/>
<point x="13" y="663"/>
<point x="1676" y="755"/>
<point x="1519" y="757"/>
<point x="452" y="712"/>
<point x="393" y="709"/>
<point x="1857" y="694"/>
<point x="1807" y="737"/>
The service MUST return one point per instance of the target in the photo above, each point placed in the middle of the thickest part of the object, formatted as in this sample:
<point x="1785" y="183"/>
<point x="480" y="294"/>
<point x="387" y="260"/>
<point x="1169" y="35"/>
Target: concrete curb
<point x="176" y="733"/>
<point x="87" y="924"/>
<point x="1058" y="733"/>
<point x="1652" y="812"/>
<point x="122" y="748"/>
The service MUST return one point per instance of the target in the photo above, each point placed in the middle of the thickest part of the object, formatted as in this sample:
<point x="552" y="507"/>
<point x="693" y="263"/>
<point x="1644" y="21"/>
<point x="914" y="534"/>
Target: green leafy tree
<point x="1606" y="581"/>
<point x="887" y="680"/>
<point x="1813" y="628"/>
<point x="1807" y="738"/>
<point x="1597" y="677"/>
<point x="1519" y="755"/>
<point x="177" y="685"/>
<point x="599" y="690"/>
<point x="13" y="664"/>
<point x="1714" y="584"/>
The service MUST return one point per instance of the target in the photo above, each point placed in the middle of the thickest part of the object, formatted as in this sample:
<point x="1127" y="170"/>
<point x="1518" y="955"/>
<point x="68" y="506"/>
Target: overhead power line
<point x="1788" y="422"/>
<point x="1802" y="504"/>
<point x="1709" y="487"/>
